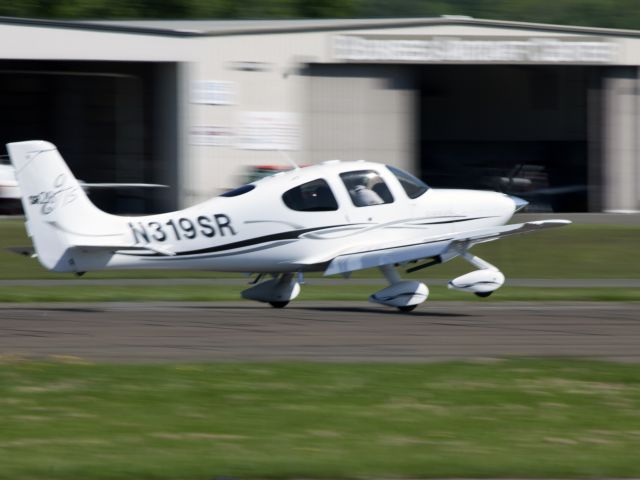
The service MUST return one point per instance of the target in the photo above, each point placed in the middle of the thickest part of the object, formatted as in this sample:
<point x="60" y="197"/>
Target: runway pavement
<point x="319" y="331"/>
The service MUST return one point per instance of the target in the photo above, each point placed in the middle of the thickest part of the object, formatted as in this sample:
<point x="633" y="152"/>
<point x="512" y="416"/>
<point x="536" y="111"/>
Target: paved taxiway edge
<point x="319" y="331"/>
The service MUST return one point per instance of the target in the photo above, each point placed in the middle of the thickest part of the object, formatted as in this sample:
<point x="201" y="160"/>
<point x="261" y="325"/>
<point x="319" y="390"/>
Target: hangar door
<point x="517" y="129"/>
<point x="112" y="122"/>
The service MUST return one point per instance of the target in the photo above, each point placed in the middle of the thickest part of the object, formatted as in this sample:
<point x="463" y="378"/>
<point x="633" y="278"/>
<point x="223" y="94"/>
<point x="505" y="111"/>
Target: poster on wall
<point x="269" y="131"/>
<point x="212" y="135"/>
<point x="213" y="92"/>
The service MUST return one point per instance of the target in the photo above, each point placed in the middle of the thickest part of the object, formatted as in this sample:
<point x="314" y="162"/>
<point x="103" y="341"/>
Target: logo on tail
<point x="51" y="199"/>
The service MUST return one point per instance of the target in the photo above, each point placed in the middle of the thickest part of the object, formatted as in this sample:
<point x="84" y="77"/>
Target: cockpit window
<point x="315" y="196"/>
<point x="366" y="188"/>
<point x="413" y="186"/>
<point x="239" y="191"/>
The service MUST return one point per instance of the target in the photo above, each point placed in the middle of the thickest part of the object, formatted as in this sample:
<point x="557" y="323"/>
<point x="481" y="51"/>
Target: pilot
<point x="363" y="196"/>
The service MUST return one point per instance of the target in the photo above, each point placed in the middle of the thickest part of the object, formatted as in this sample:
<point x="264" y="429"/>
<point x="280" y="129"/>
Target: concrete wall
<point x="621" y="140"/>
<point x="361" y="112"/>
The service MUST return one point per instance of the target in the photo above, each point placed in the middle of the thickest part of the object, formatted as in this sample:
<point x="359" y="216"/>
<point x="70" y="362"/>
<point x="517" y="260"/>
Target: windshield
<point x="413" y="186"/>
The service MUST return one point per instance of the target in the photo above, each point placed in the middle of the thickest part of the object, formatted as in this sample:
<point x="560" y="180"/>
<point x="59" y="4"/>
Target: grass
<point x="354" y="292"/>
<point x="576" y="251"/>
<point x="511" y="418"/>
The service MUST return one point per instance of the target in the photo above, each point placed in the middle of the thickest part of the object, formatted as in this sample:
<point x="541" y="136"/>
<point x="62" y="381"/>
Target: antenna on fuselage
<point x="290" y="160"/>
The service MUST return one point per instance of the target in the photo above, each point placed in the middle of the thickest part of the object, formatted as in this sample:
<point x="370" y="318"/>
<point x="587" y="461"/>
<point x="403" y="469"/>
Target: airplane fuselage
<point x="335" y="217"/>
<point x="256" y="227"/>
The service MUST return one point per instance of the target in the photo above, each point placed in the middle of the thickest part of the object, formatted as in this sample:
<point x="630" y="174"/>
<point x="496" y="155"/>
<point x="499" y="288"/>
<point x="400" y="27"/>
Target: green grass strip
<point x="196" y="293"/>
<point x="510" y="418"/>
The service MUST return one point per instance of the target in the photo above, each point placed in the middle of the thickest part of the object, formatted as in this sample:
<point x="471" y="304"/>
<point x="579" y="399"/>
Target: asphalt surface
<point x="319" y="331"/>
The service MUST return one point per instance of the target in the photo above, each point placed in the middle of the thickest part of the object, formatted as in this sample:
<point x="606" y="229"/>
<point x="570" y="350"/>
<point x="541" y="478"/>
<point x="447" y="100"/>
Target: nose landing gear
<point x="482" y="282"/>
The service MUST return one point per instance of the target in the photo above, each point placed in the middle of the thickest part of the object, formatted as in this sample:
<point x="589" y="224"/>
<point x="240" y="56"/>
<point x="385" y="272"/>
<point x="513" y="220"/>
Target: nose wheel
<point x="483" y="294"/>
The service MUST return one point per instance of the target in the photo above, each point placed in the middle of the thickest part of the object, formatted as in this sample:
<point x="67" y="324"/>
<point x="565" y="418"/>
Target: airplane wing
<point x="444" y="246"/>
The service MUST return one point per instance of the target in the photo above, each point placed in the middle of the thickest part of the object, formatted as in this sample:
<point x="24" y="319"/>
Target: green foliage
<point x="174" y="9"/>
<point x="613" y="13"/>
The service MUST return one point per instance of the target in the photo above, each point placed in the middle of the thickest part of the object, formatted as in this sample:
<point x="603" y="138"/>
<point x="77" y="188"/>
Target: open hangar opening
<point x="113" y="122"/>
<point x="527" y="130"/>
<point x="521" y="129"/>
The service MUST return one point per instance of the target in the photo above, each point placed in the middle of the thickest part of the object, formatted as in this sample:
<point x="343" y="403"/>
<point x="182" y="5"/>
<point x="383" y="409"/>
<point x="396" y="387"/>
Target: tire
<point x="278" y="304"/>
<point x="483" y="294"/>
<point x="408" y="308"/>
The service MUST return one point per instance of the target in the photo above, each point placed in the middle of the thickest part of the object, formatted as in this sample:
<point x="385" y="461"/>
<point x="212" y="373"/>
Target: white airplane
<point x="335" y="217"/>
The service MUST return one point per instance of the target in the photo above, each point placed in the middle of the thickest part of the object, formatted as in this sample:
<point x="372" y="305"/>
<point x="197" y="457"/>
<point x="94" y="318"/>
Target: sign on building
<point x="585" y="50"/>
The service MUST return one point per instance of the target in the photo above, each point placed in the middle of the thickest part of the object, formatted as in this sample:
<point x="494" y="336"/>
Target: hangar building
<point x="543" y="111"/>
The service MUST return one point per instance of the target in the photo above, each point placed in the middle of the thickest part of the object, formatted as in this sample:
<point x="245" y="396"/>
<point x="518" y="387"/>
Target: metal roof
<point x="197" y="28"/>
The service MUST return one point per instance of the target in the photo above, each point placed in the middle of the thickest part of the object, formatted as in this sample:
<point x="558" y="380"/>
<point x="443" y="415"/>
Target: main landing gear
<point x="277" y="292"/>
<point x="405" y="295"/>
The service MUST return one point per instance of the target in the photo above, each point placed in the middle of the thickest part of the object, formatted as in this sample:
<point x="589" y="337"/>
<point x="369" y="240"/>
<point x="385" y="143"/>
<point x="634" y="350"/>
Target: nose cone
<point x="520" y="203"/>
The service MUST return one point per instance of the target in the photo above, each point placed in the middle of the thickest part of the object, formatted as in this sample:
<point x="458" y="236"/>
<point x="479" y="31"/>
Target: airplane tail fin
<point x="59" y="213"/>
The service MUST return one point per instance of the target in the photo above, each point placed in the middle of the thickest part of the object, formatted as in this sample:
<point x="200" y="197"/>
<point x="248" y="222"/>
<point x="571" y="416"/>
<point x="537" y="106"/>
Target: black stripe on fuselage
<point x="453" y="221"/>
<point x="291" y="234"/>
